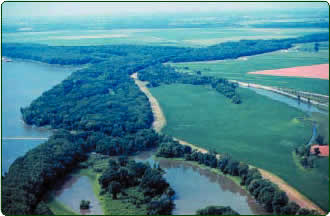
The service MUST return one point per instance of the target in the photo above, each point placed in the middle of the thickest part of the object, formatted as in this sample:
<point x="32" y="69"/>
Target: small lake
<point x="75" y="189"/>
<point x="198" y="187"/>
<point x="23" y="82"/>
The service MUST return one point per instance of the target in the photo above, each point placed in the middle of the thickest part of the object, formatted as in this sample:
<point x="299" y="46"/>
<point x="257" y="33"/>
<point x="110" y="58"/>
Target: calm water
<point x="197" y="188"/>
<point x="75" y="189"/>
<point x="23" y="82"/>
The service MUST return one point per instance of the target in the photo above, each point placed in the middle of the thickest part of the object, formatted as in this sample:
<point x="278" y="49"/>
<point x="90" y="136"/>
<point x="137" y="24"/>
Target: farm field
<point x="260" y="131"/>
<point x="320" y="71"/>
<point x="237" y="69"/>
<point x="195" y="37"/>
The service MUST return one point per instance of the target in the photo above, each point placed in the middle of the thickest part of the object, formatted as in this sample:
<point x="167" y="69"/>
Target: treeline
<point x="231" y="50"/>
<point x="123" y="174"/>
<point x="33" y="174"/>
<point x="164" y="74"/>
<point x="217" y="210"/>
<point x="74" y="55"/>
<point x="77" y="55"/>
<point x="273" y="199"/>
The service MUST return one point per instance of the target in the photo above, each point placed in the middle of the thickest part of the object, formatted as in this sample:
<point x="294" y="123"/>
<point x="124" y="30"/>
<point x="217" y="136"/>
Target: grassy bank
<point x="59" y="208"/>
<point x="260" y="132"/>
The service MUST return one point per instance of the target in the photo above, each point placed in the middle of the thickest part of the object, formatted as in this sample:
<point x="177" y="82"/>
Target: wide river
<point x="23" y="82"/>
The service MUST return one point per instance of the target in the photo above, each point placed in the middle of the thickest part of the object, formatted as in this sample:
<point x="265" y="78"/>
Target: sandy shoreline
<point x="160" y="122"/>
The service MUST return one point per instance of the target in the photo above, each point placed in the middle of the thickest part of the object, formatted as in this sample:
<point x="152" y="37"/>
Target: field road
<point x="160" y="122"/>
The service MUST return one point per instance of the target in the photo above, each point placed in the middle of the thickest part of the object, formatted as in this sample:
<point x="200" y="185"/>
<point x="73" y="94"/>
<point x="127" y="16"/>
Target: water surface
<point x="305" y="107"/>
<point x="197" y="187"/>
<point x="75" y="189"/>
<point x="23" y="82"/>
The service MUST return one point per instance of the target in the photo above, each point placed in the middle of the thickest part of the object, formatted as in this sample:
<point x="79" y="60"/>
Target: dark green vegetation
<point x="32" y="175"/>
<point x="237" y="69"/>
<point x="103" y="110"/>
<point x="95" y="54"/>
<point x="260" y="131"/>
<point x="217" y="210"/>
<point x="265" y="192"/>
<point x="125" y="174"/>
<point x="84" y="204"/>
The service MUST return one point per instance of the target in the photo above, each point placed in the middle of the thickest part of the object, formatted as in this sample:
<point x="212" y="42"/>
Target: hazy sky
<point x="15" y="9"/>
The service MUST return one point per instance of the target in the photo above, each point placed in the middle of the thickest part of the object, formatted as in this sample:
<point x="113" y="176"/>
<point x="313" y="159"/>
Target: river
<point x="22" y="82"/>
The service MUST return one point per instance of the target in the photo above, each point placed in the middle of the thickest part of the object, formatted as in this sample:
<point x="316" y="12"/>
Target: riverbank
<point x="292" y="193"/>
<point x="276" y="90"/>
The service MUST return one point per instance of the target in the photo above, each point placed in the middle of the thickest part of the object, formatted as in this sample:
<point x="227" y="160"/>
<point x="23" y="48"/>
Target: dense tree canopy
<point x="217" y="210"/>
<point x="123" y="174"/>
<point x="31" y="175"/>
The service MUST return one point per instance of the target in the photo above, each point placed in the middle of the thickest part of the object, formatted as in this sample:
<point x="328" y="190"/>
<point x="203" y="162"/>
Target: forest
<point x="124" y="173"/>
<point x="99" y="108"/>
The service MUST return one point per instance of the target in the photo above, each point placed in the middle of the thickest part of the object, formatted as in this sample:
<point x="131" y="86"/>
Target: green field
<point x="194" y="37"/>
<point x="301" y="55"/>
<point x="260" y="131"/>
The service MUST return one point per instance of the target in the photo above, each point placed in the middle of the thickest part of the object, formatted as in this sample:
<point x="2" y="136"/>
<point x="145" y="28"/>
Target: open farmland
<point x="259" y="131"/>
<point x="192" y="37"/>
<point x="320" y="71"/>
<point x="237" y="69"/>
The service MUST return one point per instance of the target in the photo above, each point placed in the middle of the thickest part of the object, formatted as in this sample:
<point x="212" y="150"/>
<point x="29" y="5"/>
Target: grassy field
<point x="194" y="37"/>
<point x="58" y="208"/>
<point x="237" y="69"/>
<point x="261" y="132"/>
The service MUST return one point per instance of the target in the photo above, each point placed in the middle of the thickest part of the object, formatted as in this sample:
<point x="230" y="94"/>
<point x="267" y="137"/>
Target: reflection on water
<point x="197" y="187"/>
<point x="23" y="82"/>
<point x="75" y="189"/>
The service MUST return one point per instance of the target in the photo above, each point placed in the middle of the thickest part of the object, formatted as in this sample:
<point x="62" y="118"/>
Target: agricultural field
<point x="260" y="131"/>
<point x="237" y="69"/>
<point x="192" y="37"/>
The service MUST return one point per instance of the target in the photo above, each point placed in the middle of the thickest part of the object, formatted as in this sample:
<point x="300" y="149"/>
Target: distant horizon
<point x="117" y="9"/>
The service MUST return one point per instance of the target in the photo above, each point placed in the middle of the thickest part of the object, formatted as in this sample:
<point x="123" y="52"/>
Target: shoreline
<point x="278" y="91"/>
<point x="160" y="122"/>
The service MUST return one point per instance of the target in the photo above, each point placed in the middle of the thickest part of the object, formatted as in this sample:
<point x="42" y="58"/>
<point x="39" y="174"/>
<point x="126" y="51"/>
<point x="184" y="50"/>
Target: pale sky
<point x="15" y="9"/>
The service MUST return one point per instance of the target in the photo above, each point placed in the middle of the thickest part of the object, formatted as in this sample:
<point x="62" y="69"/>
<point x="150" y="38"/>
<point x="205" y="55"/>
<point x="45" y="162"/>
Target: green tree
<point x="114" y="188"/>
<point x="217" y="210"/>
<point x="85" y="204"/>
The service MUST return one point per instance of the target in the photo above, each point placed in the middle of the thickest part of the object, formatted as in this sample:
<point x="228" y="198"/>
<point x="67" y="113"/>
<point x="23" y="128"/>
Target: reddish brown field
<point x="320" y="71"/>
<point x="323" y="149"/>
